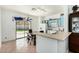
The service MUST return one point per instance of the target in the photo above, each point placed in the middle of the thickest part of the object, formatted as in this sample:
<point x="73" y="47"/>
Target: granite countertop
<point x="58" y="36"/>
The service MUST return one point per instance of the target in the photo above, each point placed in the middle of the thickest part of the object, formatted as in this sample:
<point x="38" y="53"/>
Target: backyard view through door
<point x="21" y="29"/>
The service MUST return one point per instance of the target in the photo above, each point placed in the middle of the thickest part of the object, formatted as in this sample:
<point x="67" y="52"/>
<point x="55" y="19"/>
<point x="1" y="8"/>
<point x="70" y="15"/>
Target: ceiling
<point x="36" y="10"/>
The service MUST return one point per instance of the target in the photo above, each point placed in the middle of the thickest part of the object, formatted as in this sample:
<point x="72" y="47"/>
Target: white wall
<point x="70" y="9"/>
<point x="35" y="23"/>
<point x="9" y="26"/>
<point x="53" y="16"/>
<point x="0" y="27"/>
<point x="66" y="18"/>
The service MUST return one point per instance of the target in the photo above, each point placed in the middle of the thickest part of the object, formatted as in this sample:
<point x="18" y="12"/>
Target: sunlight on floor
<point x="21" y="43"/>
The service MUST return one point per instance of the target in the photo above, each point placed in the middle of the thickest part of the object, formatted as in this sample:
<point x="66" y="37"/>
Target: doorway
<point x="22" y="28"/>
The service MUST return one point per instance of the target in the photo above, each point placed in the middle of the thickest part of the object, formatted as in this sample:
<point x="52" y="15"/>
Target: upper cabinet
<point x="56" y="21"/>
<point x="74" y="22"/>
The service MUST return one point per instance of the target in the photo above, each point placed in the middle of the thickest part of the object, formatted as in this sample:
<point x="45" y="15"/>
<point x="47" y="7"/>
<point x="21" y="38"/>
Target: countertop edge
<point x="61" y="36"/>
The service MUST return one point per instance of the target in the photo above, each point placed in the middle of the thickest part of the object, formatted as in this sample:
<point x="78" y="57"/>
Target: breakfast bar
<point x="52" y="43"/>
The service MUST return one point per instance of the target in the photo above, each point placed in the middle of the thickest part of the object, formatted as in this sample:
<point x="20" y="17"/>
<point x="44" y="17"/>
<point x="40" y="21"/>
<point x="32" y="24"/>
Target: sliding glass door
<point x="20" y="29"/>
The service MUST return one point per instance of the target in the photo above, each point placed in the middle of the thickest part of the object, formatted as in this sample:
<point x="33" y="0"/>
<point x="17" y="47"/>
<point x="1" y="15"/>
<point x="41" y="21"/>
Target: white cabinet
<point x="62" y="46"/>
<point x="47" y="45"/>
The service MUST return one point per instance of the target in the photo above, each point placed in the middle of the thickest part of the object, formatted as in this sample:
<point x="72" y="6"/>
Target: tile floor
<point x="17" y="46"/>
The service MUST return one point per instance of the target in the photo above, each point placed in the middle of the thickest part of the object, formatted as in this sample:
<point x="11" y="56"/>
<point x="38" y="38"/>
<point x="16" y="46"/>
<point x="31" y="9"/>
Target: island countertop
<point x="58" y="36"/>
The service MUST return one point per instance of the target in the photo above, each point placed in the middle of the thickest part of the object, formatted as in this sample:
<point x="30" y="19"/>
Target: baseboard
<point x="7" y="41"/>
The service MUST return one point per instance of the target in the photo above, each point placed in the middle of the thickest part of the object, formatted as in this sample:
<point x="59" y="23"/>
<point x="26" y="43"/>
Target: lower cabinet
<point x="74" y="42"/>
<point x="48" y="45"/>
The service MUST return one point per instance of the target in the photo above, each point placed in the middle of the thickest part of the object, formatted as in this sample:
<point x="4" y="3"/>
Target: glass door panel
<point x="26" y="27"/>
<point x="75" y="24"/>
<point x="20" y="29"/>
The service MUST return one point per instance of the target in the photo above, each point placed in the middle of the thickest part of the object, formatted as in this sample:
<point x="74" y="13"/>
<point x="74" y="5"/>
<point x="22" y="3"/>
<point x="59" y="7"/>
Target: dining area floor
<point x="17" y="46"/>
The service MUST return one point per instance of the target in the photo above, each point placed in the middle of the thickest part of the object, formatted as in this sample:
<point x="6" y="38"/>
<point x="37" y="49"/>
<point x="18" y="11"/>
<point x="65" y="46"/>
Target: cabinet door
<point x="46" y="45"/>
<point x="74" y="42"/>
<point x="62" y="46"/>
<point x="74" y="38"/>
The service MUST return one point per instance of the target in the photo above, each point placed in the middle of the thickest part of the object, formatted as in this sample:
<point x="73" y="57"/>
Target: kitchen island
<point x="52" y="43"/>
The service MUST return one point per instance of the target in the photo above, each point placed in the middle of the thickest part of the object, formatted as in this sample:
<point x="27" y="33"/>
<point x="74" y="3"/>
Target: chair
<point x="42" y="31"/>
<point x="29" y="36"/>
